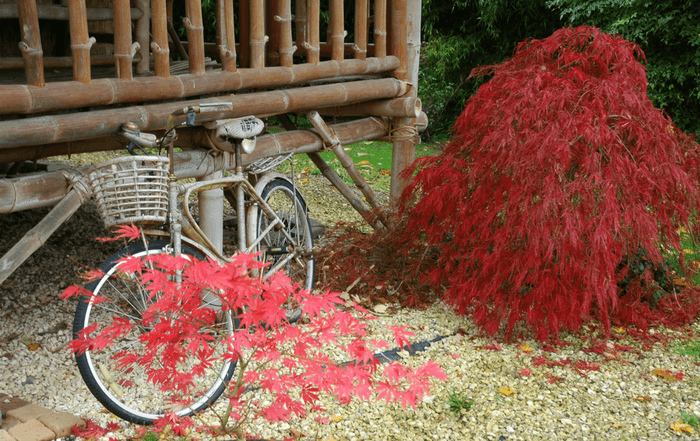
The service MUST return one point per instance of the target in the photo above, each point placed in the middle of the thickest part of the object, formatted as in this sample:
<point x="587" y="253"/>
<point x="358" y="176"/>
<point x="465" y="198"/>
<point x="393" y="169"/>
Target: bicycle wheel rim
<point x="142" y="403"/>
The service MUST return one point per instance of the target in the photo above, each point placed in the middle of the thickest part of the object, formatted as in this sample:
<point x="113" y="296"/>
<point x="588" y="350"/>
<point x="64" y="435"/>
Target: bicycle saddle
<point x="240" y="128"/>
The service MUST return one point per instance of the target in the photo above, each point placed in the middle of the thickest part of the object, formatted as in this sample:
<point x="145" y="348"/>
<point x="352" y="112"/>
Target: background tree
<point x="668" y="31"/>
<point x="463" y="34"/>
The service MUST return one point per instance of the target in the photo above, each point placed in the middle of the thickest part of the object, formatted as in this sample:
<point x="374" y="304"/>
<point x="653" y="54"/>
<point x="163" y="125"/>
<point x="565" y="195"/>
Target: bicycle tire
<point x="136" y="399"/>
<point x="289" y="206"/>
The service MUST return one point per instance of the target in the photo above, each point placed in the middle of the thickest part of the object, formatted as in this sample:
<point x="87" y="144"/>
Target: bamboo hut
<point x="73" y="72"/>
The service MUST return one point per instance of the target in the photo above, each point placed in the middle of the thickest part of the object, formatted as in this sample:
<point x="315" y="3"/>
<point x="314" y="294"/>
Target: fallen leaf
<point x="617" y="426"/>
<point x="506" y="391"/>
<point x="385" y="172"/>
<point x="642" y="398"/>
<point x="679" y="281"/>
<point x="336" y="418"/>
<point x="524" y="372"/>
<point x="619" y="330"/>
<point x="304" y="181"/>
<point x="525" y="347"/>
<point x="33" y="346"/>
<point x="365" y="162"/>
<point x="380" y="309"/>
<point x="665" y="374"/>
<point x="680" y="427"/>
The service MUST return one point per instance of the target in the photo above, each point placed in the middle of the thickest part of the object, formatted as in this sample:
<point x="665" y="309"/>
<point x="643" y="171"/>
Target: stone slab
<point x="31" y="430"/>
<point x="61" y="423"/>
<point x="5" y="436"/>
<point x="24" y="414"/>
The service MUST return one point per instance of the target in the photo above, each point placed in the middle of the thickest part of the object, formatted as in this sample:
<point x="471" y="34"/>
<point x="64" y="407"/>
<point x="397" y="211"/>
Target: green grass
<point x="691" y="419"/>
<point x="371" y="158"/>
<point x="458" y="402"/>
<point x="690" y="348"/>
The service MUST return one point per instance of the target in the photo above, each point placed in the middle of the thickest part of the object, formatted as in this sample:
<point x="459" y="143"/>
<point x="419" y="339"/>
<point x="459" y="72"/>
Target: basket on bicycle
<point x="131" y="190"/>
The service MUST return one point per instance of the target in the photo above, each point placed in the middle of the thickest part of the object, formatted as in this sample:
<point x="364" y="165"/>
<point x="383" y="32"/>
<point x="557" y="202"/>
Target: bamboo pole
<point x="228" y="52"/>
<point x="332" y="140"/>
<point x="244" y="32"/>
<point x="19" y="99"/>
<point x="59" y="62"/>
<point x="360" y="46"/>
<point x="80" y="42"/>
<point x="272" y="31"/>
<point x="172" y="33"/>
<point x="300" y="22"/>
<point x="160" y="46"/>
<point x="143" y="37"/>
<point x="53" y="12"/>
<point x="195" y="36"/>
<point x="399" y="34"/>
<point x="36" y="237"/>
<point x="76" y="126"/>
<point x="336" y="30"/>
<point x="312" y="47"/>
<point x="46" y="189"/>
<point x="284" y="19"/>
<point x="257" y="34"/>
<point x="380" y="28"/>
<point x="408" y="107"/>
<point x="123" y="50"/>
<point x="31" y="42"/>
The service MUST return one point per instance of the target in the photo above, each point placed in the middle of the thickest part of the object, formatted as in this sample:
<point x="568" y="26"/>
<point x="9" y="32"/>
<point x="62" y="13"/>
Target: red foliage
<point x="560" y="175"/>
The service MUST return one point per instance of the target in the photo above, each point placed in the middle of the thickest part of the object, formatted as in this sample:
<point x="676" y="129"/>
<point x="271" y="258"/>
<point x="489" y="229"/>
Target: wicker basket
<point x="131" y="190"/>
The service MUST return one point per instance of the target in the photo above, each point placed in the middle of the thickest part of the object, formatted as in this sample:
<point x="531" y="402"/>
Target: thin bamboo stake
<point x="123" y="50"/>
<point x="272" y="31"/>
<point x="228" y="56"/>
<point x="31" y="42"/>
<point x="284" y="18"/>
<point x="244" y="33"/>
<point x="159" y="46"/>
<point x="399" y="35"/>
<point x="360" y="46"/>
<point x="332" y="140"/>
<point x="380" y="28"/>
<point x="300" y="21"/>
<point x="312" y="47"/>
<point x="142" y="36"/>
<point x="80" y="42"/>
<point x="257" y="34"/>
<point x="336" y="31"/>
<point x="195" y="36"/>
<point x="172" y="33"/>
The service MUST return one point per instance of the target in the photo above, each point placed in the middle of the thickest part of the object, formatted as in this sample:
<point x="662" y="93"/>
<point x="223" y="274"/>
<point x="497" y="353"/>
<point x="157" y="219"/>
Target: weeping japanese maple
<point x="559" y="174"/>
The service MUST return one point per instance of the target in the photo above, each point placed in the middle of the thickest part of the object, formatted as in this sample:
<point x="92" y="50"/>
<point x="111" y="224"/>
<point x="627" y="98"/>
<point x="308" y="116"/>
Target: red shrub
<point x="559" y="175"/>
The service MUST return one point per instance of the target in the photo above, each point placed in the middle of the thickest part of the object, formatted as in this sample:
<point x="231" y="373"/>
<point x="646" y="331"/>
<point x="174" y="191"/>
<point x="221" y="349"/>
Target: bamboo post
<point x="257" y="34"/>
<point x="380" y="28"/>
<point x="284" y="18"/>
<point x="143" y="36"/>
<point x="159" y="46"/>
<point x="336" y="30"/>
<point x="123" y="50"/>
<point x="244" y="32"/>
<point x="80" y="42"/>
<point x="31" y="42"/>
<point x="272" y="30"/>
<point x="195" y="36"/>
<point x="300" y="21"/>
<point x="226" y="34"/>
<point x="332" y="140"/>
<point x="360" y="46"/>
<point x="36" y="237"/>
<point x="312" y="46"/>
<point x="404" y="134"/>
<point x="172" y="33"/>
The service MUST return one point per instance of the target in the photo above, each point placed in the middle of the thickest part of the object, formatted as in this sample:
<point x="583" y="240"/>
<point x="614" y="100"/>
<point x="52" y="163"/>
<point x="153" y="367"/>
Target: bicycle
<point x="271" y="218"/>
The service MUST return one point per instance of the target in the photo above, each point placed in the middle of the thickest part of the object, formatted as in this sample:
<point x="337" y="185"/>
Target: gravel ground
<point x="624" y="399"/>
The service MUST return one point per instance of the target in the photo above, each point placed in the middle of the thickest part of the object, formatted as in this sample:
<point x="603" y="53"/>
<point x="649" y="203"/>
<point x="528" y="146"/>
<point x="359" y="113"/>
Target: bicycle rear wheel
<point x="290" y="207"/>
<point x="126" y="390"/>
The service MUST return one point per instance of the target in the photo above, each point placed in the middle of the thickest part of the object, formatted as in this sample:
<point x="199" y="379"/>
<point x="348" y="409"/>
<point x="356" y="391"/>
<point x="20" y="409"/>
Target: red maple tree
<point x="560" y="176"/>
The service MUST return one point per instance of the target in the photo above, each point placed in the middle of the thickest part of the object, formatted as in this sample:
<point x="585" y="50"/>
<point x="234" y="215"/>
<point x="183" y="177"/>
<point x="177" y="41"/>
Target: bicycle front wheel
<point x="295" y="256"/>
<point x="126" y="389"/>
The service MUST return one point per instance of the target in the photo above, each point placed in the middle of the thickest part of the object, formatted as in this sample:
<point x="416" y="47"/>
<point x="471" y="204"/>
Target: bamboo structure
<point x="127" y="63"/>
